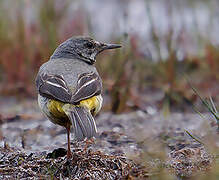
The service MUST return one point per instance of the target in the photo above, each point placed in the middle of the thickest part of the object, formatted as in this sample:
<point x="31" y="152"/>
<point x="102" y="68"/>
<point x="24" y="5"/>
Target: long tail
<point x="82" y="122"/>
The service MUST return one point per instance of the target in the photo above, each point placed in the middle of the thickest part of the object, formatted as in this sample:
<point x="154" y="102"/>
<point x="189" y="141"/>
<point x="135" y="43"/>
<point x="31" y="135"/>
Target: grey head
<point x="84" y="48"/>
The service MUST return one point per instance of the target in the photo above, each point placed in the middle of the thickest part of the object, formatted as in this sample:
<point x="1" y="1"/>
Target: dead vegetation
<point x="85" y="164"/>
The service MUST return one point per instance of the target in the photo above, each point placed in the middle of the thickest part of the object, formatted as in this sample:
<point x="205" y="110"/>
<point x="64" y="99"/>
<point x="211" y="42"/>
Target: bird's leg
<point x="69" y="155"/>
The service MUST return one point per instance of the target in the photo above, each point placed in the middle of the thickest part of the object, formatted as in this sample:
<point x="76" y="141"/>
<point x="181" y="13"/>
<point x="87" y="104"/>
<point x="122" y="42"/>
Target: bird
<point x="69" y="87"/>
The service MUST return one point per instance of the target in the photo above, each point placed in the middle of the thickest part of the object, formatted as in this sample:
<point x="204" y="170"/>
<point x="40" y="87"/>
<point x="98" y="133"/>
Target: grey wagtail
<point x="69" y="86"/>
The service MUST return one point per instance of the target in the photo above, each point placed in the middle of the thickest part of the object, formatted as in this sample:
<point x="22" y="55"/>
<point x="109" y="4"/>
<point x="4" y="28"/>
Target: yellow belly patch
<point x="90" y="103"/>
<point x="56" y="107"/>
<point x="93" y="104"/>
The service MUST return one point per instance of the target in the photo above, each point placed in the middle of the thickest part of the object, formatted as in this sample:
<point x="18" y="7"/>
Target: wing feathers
<point x="88" y="85"/>
<point x="55" y="87"/>
<point x="85" y="77"/>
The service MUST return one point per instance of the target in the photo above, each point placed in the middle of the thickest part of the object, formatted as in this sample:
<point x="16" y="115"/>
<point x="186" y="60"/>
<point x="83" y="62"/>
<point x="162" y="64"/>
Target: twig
<point x="194" y="137"/>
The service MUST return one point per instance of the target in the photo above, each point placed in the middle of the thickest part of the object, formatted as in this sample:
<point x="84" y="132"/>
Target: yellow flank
<point x="90" y="103"/>
<point x="56" y="107"/>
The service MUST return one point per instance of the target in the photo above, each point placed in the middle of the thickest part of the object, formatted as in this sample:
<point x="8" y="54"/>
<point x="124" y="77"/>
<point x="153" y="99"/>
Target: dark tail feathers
<point x="82" y="122"/>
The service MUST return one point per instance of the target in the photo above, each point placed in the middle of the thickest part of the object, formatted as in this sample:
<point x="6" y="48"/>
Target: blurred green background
<point x="163" y="41"/>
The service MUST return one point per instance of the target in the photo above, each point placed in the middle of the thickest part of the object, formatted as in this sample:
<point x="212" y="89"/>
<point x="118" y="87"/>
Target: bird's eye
<point x="89" y="44"/>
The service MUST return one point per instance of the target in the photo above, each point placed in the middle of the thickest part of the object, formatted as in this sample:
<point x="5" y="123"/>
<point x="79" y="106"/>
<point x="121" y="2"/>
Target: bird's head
<point x="84" y="48"/>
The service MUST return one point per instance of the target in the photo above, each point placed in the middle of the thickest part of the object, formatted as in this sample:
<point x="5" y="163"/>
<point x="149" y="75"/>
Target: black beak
<point x="110" y="46"/>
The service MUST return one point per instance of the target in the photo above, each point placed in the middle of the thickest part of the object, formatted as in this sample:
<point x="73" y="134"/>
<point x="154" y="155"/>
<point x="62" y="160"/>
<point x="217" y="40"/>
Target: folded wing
<point x="55" y="87"/>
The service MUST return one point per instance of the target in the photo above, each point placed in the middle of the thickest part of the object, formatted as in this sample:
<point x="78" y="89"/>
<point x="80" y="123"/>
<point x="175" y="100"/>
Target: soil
<point x="128" y="146"/>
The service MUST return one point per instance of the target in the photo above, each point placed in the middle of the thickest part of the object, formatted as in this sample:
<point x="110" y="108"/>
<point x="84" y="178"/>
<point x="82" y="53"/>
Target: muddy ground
<point x="133" y="145"/>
